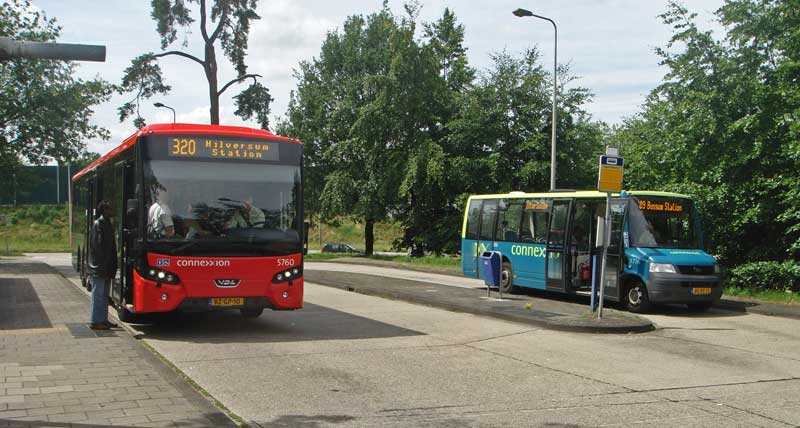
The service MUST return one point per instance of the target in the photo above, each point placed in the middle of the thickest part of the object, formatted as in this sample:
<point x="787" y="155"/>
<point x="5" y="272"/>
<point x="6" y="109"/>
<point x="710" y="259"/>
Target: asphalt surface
<point x="353" y="360"/>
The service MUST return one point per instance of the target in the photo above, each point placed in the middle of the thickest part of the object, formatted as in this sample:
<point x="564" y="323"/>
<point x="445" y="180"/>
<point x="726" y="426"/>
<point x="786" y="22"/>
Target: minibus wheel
<point x="251" y="312"/>
<point x="507" y="279"/>
<point x="636" y="298"/>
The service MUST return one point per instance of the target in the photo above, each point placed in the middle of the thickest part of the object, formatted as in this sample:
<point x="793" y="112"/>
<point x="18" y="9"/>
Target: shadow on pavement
<point x="668" y="310"/>
<point x="302" y="421"/>
<point x="20" y="307"/>
<point x="312" y="323"/>
<point x="200" y="422"/>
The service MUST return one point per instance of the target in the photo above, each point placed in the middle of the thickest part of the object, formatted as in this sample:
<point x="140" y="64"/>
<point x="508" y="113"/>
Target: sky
<point x="609" y="45"/>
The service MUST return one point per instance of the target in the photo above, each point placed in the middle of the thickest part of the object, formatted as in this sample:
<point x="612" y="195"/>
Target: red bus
<point x="207" y="217"/>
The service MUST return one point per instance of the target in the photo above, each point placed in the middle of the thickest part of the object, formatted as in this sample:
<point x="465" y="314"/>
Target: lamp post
<point x="166" y="106"/>
<point x="523" y="13"/>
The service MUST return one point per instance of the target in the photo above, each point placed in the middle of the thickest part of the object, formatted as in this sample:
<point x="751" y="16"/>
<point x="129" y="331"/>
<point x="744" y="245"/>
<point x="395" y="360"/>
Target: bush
<point x="766" y="276"/>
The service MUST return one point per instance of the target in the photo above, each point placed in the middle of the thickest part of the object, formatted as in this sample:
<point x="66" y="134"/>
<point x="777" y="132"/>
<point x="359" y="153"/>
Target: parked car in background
<point x="340" y="248"/>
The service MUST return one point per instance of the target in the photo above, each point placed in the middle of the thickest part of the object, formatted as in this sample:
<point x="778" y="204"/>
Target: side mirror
<point x="306" y="227"/>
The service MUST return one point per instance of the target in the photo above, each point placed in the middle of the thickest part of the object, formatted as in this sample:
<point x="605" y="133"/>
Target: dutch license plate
<point x="227" y="301"/>
<point x="701" y="291"/>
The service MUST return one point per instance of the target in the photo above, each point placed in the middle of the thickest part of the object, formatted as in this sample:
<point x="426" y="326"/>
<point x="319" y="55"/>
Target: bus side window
<point x="510" y="218"/>
<point x="473" y="219"/>
<point x="534" y="222"/>
<point x="488" y="220"/>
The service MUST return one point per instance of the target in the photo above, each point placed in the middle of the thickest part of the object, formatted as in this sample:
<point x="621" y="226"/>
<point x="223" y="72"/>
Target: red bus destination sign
<point x="218" y="148"/>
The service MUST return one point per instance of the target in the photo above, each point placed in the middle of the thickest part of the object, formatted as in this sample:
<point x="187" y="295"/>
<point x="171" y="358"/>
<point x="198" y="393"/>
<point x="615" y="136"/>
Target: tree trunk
<point x="211" y="75"/>
<point x="369" y="236"/>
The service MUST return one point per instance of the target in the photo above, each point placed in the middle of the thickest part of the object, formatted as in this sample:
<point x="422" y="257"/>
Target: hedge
<point x="766" y="276"/>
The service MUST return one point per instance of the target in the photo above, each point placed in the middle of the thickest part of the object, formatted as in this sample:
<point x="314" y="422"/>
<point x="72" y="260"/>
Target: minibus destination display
<point x="646" y="205"/>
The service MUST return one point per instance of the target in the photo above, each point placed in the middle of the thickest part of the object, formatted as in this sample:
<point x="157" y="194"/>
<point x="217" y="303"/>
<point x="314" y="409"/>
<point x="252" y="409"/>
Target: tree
<point x="232" y="19"/>
<point x="724" y="127"/>
<point x="44" y="110"/>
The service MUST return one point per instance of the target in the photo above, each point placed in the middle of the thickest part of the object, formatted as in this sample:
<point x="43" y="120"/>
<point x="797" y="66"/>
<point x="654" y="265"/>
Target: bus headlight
<point x="287" y="275"/>
<point x="159" y="275"/>
<point x="717" y="268"/>
<point x="662" y="268"/>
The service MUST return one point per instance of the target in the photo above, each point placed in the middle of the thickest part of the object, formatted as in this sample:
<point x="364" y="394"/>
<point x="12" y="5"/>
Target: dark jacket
<point x="102" y="249"/>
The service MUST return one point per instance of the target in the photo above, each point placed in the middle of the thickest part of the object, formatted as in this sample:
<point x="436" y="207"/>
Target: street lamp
<point x="166" y="106"/>
<point x="523" y="13"/>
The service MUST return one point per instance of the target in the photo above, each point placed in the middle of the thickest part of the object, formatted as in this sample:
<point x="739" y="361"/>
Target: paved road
<point x="350" y="360"/>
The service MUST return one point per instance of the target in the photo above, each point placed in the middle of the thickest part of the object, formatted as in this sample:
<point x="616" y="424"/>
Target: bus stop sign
<point x="609" y="178"/>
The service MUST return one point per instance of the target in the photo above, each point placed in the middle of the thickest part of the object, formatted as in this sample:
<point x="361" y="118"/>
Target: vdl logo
<point x="162" y="262"/>
<point x="226" y="283"/>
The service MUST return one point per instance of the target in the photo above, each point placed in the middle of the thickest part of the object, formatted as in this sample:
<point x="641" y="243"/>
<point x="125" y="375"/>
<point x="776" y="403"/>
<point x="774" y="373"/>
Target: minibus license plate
<point x="701" y="291"/>
<point x="227" y="301"/>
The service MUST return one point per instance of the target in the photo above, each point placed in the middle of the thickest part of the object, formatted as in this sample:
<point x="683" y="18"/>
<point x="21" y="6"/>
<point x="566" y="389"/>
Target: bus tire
<point x="700" y="306"/>
<point x="127" y="316"/>
<point x="251" y="312"/>
<point x="507" y="279"/>
<point x="636" y="298"/>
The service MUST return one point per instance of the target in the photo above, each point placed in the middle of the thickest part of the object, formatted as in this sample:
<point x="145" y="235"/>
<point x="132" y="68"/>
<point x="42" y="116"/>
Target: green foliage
<point x="45" y="111"/>
<point x="724" y="127"/>
<point x="766" y="276"/>
<point x="35" y="228"/>
<point x="395" y="125"/>
<point x="232" y="19"/>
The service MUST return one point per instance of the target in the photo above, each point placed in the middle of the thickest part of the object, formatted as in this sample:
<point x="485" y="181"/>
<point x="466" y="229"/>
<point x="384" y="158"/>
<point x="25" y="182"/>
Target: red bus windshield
<point x="207" y="204"/>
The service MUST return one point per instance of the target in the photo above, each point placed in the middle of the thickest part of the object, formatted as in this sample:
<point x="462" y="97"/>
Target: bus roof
<point x="185" y="128"/>
<point x="577" y="194"/>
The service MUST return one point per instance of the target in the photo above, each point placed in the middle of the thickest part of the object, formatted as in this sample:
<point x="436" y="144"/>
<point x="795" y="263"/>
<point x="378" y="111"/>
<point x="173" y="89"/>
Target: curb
<point x="212" y="412"/>
<point x="544" y="320"/>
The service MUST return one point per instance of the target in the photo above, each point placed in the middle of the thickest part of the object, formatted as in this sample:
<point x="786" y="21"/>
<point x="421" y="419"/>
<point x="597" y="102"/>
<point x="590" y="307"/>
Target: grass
<point x="770" y="296"/>
<point x="348" y="232"/>
<point x="40" y="229"/>
<point x="426" y="261"/>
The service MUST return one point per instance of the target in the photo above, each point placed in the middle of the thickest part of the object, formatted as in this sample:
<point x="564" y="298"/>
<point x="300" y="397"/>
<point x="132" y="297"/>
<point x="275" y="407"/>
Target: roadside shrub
<point x="766" y="276"/>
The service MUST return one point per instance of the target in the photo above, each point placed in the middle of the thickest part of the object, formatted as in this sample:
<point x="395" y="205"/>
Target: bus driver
<point x="247" y="216"/>
<point x="159" y="218"/>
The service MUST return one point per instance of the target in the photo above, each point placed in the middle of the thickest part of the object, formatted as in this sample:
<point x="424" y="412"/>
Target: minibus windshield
<point x="661" y="222"/>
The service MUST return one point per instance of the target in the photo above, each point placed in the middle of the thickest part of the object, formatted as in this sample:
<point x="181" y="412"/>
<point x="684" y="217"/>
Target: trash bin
<point x="491" y="267"/>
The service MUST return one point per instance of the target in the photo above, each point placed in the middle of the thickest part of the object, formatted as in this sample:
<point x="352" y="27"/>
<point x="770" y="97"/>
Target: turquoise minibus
<point x="547" y="242"/>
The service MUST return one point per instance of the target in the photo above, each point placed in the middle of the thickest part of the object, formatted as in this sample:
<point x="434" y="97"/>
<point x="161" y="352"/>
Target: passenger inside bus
<point x="159" y="217"/>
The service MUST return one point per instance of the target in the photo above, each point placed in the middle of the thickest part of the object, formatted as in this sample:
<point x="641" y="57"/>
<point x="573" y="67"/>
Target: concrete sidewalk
<point x="470" y="296"/>
<point x="56" y="372"/>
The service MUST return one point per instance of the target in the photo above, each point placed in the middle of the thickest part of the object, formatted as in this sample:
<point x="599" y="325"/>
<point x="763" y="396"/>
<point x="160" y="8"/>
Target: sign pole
<point x="606" y="242"/>
<point x="609" y="179"/>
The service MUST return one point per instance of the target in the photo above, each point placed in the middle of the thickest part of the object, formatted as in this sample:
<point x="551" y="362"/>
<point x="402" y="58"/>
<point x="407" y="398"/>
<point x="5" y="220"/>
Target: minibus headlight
<point x="662" y="268"/>
<point x="717" y="268"/>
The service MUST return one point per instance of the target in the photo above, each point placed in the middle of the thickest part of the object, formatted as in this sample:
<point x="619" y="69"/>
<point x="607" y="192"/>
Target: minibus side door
<point x="555" y="263"/>
<point x="616" y="249"/>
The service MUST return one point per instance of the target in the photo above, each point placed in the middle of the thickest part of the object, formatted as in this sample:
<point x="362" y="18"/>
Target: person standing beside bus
<point x="159" y="218"/>
<point x="102" y="265"/>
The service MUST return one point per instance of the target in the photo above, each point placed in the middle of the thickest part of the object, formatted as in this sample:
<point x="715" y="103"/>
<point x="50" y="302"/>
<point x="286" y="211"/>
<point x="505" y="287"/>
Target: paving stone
<point x="51" y="378"/>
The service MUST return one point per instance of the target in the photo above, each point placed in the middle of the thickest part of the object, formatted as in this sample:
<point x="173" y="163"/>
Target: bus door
<point x="123" y="175"/>
<point x="555" y="263"/>
<point x="616" y="249"/>
<point x="579" y="257"/>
